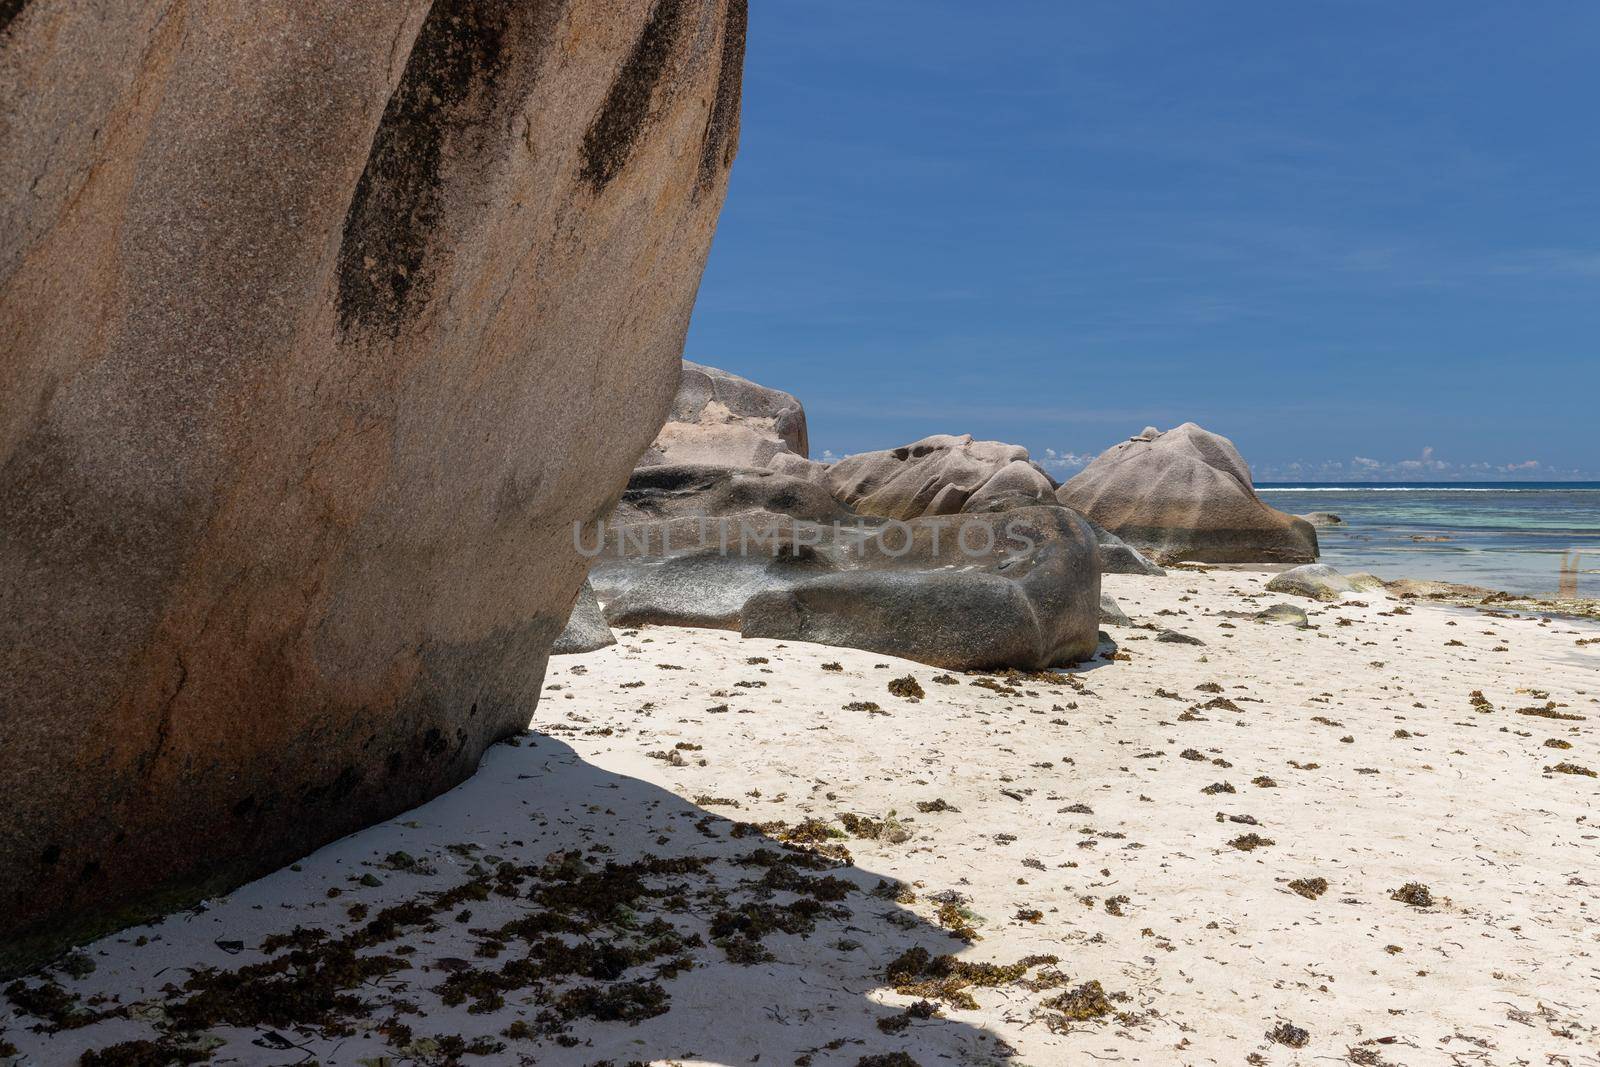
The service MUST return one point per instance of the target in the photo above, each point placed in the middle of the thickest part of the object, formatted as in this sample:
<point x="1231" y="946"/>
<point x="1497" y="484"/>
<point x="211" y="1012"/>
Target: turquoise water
<point x="1522" y="537"/>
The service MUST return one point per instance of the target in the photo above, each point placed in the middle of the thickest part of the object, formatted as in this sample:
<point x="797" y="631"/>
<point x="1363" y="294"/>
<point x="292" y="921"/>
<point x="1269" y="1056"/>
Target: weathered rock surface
<point x="808" y="469"/>
<point x="1285" y="614"/>
<point x="1033" y="609"/>
<point x="721" y="418"/>
<point x="586" y="629"/>
<point x="693" y="492"/>
<point x="775" y="556"/>
<point x="1315" y="580"/>
<point x="1111" y="613"/>
<point x="320" y="323"/>
<point x="938" y="475"/>
<point x="1186" y="495"/>
<point x="1019" y="484"/>
<point x="1323" y="518"/>
<point x="1119" y="557"/>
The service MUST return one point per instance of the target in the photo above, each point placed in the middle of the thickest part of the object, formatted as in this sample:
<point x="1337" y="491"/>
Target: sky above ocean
<point x="1361" y="239"/>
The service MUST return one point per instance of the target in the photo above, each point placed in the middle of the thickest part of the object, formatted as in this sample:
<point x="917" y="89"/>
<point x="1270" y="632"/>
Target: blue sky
<point x="1348" y="235"/>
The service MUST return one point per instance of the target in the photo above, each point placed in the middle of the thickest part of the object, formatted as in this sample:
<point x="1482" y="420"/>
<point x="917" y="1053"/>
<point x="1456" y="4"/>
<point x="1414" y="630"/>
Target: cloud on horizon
<point x="1426" y="465"/>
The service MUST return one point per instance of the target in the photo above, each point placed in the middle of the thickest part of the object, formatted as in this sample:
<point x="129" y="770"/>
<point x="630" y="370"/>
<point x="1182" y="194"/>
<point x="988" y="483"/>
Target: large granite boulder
<point x="1019" y="484"/>
<point x="695" y="492"/>
<point x="938" y="475"/>
<point x="321" y="321"/>
<point x="775" y="556"/>
<point x="722" y="418"/>
<point x="1119" y="557"/>
<point x="1315" y="580"/>
<point x="1031" y="601"/>
<point x="1186" y="494"/>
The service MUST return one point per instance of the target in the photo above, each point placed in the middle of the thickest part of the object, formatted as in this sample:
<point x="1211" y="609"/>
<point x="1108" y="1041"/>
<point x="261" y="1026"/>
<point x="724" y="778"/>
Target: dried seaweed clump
<point x="1081" y="1004"/>
<point x="1572" y="768"/>
<point x="887" y="1059"/>
<point x="889" y="828"/>
<point x="959" y="920"/>
<point x="1289" y="1034"/>
<point x="1415" y="894"/>
<point x="50" y="1001"/>
<point x="922" y="1009"/>
<point x="944" y="979"/>
<point x="1549" y="712"/>
<point x="907" y="688"/>
<point x="142" y="1053"/>
<point x="1251" y="841"/>
<point x="1310" y="888"/>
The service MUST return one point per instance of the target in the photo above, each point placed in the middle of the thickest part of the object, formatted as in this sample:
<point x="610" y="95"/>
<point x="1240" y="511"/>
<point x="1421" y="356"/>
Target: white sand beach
<point x="1103" y="817"/>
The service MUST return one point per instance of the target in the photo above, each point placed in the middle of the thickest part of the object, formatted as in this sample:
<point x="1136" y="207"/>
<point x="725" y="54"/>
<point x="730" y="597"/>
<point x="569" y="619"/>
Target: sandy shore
<point x="1205" y="837"/>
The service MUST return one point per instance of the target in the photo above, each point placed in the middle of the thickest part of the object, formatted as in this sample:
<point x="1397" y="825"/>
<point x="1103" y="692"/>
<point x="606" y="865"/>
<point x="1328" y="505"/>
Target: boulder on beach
<point x="587" y="629"/>
<point x="1119" y="557"/>
<point x="1111" y="613"/>
<point x="1315" y="580"/>
<point x="774" y="556"/>
<point x="1285" y="614"/>
<point x="1029" y="608"/>
<point x="1019" y="484"/>
<point x="721" y="418"/>
<point x="1322" y="518"/>
<point x="1186" y="494"/>
<point x="937" y="475"/>
<point x="323" y="322"/>
<point x="704" y="491"/>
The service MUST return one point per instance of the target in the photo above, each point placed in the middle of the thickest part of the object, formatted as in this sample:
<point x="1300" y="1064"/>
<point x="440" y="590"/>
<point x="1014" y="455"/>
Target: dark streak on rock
<point x="461" y="63"/>
<point x="622" y="117"/>
<point x="722" y="126"/>
<point x="9" y="10"/>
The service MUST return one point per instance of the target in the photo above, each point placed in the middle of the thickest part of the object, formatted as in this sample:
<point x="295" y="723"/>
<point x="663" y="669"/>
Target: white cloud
<point x="1426" y="466"/>
<point x="1064" y="462"/>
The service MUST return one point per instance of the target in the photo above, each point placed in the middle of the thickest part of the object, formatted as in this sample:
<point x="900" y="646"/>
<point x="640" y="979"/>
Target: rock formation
<point x="1186" y="495"/>
<point x="586" y="628"/>
<point x="1315" y="580"/>
<point x="320" y="324"/>
<point x="938" y="475"/>
<point x="721" y="418"/>
<point x="1119" y="557"/>
<point x="776" y="556"/>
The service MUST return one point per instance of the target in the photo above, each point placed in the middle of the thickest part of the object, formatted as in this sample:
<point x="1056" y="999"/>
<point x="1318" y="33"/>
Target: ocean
<point x="1539" y="538"/>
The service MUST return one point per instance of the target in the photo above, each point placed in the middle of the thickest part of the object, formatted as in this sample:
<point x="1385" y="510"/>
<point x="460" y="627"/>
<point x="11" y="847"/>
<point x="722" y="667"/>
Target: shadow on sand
<point x="544" y="911"/>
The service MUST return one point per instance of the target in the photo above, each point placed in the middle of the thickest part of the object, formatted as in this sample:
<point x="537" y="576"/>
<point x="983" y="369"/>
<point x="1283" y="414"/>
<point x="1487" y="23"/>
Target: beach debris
<point x="907" y="688"/>
<point x="1310" y="888"/>
<point x="1251" y="841"/>
<point x="1415" y="894"/>
<point x="1289" y="1034"/>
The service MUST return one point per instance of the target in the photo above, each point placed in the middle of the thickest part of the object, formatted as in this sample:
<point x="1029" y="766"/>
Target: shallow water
<point x="1523" y="537"/>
